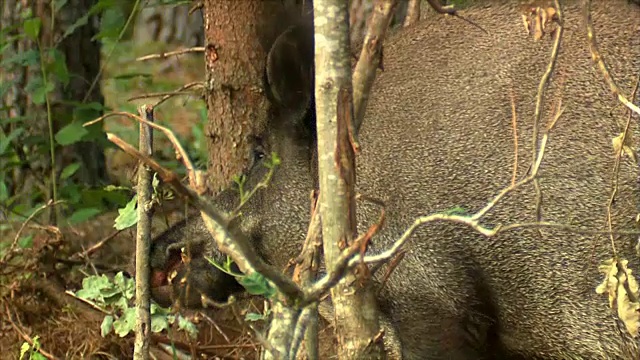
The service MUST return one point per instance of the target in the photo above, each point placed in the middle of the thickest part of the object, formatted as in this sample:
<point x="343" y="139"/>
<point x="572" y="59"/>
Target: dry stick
<point x="370" y="57"/>
<point x="196" y="84"/>
<point x="599" y="60"/>
<point x="451" y="10"/>
<point x="309" y="261"/>
<point x="143" y="240"/>
<point x="181" y="154"/>
<point x="345" y="262"/>
<point x="159" y="94"/>
<point x="616" y="170"/>
<point x="88" y="252"/>
<point x="542" y="88"/>
<point x="215" y="325"/>
<point x="165" y="55"/>
<point x="514" y="124"/>
<point x="14" y="244"/>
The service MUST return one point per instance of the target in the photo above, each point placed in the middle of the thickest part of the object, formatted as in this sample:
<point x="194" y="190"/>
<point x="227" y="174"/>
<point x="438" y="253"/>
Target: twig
<point x="88" y="302"/>
<point x="181" y="154"/>
<point x="215" y="325"/>
<point x="159" y="94"/>
<point x="514" y="125"/>
<point x="168" y="95"/>
<point x="343" y="264"/>
<point x="165" y="55"/>
<point x="95" y="247"/>
<point x="542" y="87"/>
<point x="309" y="261"/>
<point x="616" y="170"/>
<point x="27" y="338"/>
<point x="14" y="244"/>
<point x="451" y="10"/>
<point x="599" y="60"/>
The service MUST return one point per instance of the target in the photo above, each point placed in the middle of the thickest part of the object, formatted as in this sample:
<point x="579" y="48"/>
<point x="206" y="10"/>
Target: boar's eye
<point x="258" y="154"/>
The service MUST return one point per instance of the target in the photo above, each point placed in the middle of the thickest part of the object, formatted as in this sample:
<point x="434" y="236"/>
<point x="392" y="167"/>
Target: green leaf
<point x="31" y="27"/>
<point x="106" y="326"/>
<point x="125" y="323"/>
<point x="39" y="89"/>
<point x="115" y="188"/>
<point x="83" y="215"/>
<point x="159" y="323"/>
<point x="6" y="141"/>
<point x="26" y="242"/>
<point x="128" y="216"/>
<point x="83" y="20"/>
<point x="23" y="349"/>
<point x="70" y="134"/>
<point x="38" y="356"/>
<point x="457" y="210"/>
<point x="4" y="192"/>
<point x="69" y="170"/>
<point x="58" y="66"/>
<point x="96" y="282"/>
<point x="25" y="58"/>
<point x="59" y="4"/>
<point x="253" y="317"/>
<point x="126" y="285"/>
<point x="188" y="326"/>
<point x="256" y="284"/>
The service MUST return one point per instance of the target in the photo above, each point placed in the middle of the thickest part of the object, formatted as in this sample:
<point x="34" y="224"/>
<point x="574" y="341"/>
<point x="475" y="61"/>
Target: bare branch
<point x="181" y="154"/>
<point x="370" y="57"/>
<point x="599" y="60"/>
<point x="165" y="55"/>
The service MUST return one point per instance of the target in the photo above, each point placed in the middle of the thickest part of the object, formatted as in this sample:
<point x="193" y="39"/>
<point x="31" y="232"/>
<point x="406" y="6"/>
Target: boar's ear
<point x="289" y="69"/>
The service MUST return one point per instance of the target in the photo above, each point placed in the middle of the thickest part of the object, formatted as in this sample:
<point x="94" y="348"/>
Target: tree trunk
<point x="353" y="299"/>
<point x="82" y="55"/>
<point x="238" y="35"/>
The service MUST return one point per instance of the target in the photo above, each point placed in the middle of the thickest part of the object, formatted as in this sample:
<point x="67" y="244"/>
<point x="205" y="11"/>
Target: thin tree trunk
<point x="238" y="35"/>
<point x="354" y="301"/>
<point x="413" y="13"/>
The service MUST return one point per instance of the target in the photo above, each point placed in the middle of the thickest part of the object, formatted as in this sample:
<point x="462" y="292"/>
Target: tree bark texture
<point x="82" y="55"/>
<point x="238" y="35"/>
<point x="354" y="302"/>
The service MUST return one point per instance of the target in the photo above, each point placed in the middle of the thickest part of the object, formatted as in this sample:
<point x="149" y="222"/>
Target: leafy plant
<point x="31" y="352"/>
<point x="114" y="296"/>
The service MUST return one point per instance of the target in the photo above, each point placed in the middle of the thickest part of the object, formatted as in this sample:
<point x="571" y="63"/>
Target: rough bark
<point x="354" y="302"/>
<point x="238" y="35"/>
